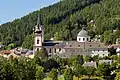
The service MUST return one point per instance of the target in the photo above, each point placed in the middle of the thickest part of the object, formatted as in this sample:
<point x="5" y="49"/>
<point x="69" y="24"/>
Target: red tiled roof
<point x="7" y="52"/>
<point x="114" y="45"/>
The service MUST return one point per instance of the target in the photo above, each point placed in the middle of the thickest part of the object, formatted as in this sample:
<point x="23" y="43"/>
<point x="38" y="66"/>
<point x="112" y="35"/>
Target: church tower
<point x="83" y="36"/>
<point x="38" y="35"/>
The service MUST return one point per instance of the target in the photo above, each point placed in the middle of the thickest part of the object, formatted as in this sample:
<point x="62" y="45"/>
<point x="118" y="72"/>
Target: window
<point x="83" y="39"/>
<point x="70" y="45"/>
<point x="60" y="49"/>
<point x="37" y="49"/>
<point x="78" y="45"/>
<point x="87" y="39"/>
<point x="90" y="45"/>
<point x="79" y="39"/>
<point x="50" y="51"/>
<point x="98" y="45"/>
<point x="55" y="50"/>
<point x="38" y="41"/>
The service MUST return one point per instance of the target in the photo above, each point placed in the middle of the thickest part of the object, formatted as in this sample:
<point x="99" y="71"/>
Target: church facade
<point x="82" y="45"/>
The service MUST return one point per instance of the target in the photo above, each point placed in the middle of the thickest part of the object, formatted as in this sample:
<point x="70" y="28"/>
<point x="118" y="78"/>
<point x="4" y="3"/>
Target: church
<point x="82" y="45"/>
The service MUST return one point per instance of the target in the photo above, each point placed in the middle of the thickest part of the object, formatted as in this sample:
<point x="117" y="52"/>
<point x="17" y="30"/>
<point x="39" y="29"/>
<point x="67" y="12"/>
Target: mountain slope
<point x="65" y="19"/>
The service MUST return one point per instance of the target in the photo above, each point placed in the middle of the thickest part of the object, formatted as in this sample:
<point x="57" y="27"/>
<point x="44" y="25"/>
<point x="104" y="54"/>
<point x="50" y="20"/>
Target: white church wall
<point x="83" y="39"/>
<point x="100" y="53"/>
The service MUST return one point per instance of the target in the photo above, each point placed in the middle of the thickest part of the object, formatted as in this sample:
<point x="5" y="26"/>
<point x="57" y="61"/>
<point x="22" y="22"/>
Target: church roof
<point x="83" y="33"/>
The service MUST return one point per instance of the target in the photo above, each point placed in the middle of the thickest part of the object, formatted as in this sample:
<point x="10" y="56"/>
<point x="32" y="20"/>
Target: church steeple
<point x="39" y="20"/>
<point x="39" y="26"/>
<point x="39" y="35"/>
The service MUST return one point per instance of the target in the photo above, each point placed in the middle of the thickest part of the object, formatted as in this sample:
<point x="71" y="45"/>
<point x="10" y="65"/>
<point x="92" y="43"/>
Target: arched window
<point x="37" y="49"/>
<point x="37" y="41"/>
<point x="79" y="39"/>
<point x="90" y="45"/>
<point x="83" y="39"/>
<point x="60" y="49"/>
<point x="98" y="45"/>
<point x="87" y="39"/>
<point x="55" y="50"/>
<point x="50" y="51"/>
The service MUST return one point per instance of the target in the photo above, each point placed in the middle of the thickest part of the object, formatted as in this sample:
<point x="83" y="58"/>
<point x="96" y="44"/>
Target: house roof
<point x="49" y="44"/>
<point x="7" y="52"/>
<point x="29" y="52"/>
<point x="105" y="61"/>
<point x="114" y="45"/>
<point x="90" y="64"/>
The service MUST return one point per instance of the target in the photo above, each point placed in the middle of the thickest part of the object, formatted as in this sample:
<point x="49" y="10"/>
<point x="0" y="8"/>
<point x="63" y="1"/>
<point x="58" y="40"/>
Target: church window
<point x="98" y="45"/>
<point x="38" y="41"/>
<point x="79" y="39"/>
<point x="87" y="39"/>
<point x="55" y="50"/>
<point x="50" y="50"/>
<point x="37" y="49"/>
<point x="60" y="49"/>
<point x="83" y="39"/>
<point x="90" y="45"/>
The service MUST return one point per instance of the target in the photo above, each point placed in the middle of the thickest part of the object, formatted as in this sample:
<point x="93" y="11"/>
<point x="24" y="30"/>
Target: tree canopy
<point x="64" y="20"/>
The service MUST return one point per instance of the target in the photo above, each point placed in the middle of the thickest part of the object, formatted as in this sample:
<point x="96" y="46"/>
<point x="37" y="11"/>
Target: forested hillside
<point x="64" y="20"/>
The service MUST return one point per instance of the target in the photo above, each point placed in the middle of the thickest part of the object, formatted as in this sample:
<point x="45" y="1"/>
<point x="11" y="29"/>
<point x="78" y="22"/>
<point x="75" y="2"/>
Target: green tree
<point x="28" y="42"/>
<point x="88" y="58"/>
<point x="53" y="74"/>
<point x="90" y="71"/>
<point x="79" y="70"/>
<point x="106" y="37"/>
<point x="58" y="36"/>
<point x="40" y="73"/>
<point x="117" y="76"/>
<point x="68" y="74"/>
<point x="11" y="46"/>
<point x="42" y="53"/>
<point x="103" y="70"/>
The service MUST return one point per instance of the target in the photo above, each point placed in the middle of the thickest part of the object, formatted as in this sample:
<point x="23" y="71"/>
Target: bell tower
<point x="38" y="36"/>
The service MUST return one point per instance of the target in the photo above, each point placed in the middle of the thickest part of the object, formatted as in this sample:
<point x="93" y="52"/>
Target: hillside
<point x="64" y="20"/>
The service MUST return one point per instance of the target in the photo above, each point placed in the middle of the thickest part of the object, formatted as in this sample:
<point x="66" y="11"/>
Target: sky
<point x="13" y="9"/>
